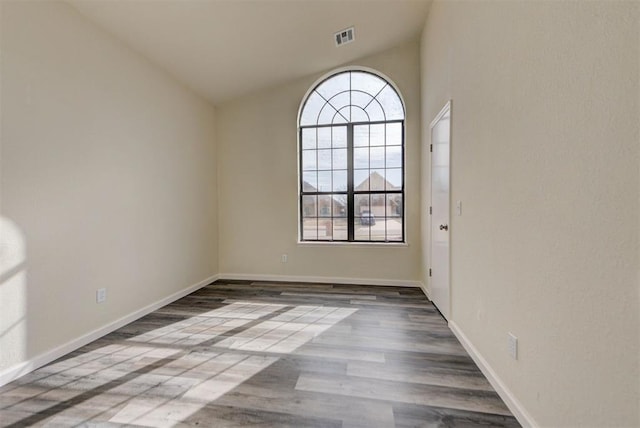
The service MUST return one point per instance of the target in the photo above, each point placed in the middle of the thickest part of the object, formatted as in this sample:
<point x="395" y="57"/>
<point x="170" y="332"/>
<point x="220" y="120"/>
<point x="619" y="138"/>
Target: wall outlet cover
<point x="101" y="295"/>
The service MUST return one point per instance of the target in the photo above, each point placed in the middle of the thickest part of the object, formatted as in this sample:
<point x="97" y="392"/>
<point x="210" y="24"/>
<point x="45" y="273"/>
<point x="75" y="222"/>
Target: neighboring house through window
<point x="351" y="136"/>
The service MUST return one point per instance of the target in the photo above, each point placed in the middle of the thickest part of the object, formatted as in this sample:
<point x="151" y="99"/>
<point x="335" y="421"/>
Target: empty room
<point x="320" y="213"/>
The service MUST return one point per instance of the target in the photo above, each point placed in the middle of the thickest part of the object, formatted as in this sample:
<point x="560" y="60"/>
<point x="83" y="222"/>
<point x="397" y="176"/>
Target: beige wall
<point x="108" y="180"/>
<point x="257" y="163"/>
<point x="545" y="161"/>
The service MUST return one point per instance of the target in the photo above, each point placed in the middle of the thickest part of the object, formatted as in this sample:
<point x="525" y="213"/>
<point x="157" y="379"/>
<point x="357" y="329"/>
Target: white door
<point x="439" y="260"/>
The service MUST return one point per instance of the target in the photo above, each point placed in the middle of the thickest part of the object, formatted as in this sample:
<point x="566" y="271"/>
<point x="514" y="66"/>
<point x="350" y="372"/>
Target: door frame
<point x="447" y="108"/>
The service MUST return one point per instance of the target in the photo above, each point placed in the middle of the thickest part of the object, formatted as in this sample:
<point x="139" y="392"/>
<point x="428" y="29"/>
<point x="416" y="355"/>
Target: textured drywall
<point x="108" y="180"/>
<point x="258" y="211"/>
<point x="545" y="160"/>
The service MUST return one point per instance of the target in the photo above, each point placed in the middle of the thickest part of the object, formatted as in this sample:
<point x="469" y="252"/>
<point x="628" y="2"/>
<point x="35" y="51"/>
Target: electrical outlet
<point x="284" y="258"/>
<point x="512" y="346"/>
<point x="101" y="295"/>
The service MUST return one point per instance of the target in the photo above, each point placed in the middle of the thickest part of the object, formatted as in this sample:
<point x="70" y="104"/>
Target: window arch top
<point x="351" y="97"/>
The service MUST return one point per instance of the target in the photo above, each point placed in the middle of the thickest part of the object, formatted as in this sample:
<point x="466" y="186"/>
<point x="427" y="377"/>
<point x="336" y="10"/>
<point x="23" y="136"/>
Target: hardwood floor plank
<point x="411" y="416"/>
<point x="352" y="412"/>
<point x="473" y="400"/>
<point x="330" y="296"/>
<point x="227" y="416"/>
<point x="448" y="377"/>
<point x="340" y="353"/>
<point x="448" y="347"/>
<point x="425" y="305"/>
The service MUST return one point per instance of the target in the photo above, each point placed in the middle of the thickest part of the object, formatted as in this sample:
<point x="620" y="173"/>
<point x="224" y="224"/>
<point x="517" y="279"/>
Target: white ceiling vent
<point x="345" y="36"/>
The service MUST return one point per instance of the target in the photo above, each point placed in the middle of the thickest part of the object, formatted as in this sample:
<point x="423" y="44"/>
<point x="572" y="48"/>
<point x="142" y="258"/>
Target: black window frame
<point x="351" y="192"/>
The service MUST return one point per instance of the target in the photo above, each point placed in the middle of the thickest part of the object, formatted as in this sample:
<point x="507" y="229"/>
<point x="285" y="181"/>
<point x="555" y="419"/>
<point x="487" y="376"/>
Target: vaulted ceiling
<point x="223" y="49"/>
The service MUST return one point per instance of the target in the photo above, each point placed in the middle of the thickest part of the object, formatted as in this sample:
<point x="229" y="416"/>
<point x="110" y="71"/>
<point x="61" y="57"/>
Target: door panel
<point x="440" y="200"/>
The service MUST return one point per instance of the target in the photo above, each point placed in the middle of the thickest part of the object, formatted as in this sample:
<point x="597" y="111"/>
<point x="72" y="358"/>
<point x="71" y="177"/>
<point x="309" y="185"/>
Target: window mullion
<point x="350" y="198"/>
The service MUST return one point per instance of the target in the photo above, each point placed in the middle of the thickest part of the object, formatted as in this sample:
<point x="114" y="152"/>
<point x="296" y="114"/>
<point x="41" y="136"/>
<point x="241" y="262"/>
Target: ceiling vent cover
<point x="345" y="36"/>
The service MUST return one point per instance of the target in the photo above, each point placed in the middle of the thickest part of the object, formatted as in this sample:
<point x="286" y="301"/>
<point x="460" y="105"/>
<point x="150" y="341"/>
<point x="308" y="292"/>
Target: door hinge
<point x="430" y="210"/>
<point x="429" y="271"/>
<point x="431" y="148"/>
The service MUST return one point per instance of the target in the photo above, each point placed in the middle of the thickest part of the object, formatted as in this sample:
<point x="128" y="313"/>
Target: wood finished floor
<point x="237" y="354"/>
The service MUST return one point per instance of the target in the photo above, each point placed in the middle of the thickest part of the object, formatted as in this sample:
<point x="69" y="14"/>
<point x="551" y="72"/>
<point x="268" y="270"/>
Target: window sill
<point x="353" y="244"/>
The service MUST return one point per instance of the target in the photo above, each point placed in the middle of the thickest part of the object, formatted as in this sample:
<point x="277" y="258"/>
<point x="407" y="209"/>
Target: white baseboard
<point x="320" y="279"/>
<point x="21" y="369"/>
<point x="518" y="410"/>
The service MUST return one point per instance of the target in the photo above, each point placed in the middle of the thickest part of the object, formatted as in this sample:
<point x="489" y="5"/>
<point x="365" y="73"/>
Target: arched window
<point x="351" y="136"/>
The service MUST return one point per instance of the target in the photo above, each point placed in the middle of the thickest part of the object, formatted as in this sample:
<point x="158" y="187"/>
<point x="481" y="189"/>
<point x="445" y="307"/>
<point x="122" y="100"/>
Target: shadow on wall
<point x="13" y="295"/>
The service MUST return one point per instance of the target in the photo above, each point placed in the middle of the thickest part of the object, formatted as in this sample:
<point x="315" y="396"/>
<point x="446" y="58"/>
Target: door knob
<point x="444" y="227"/>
